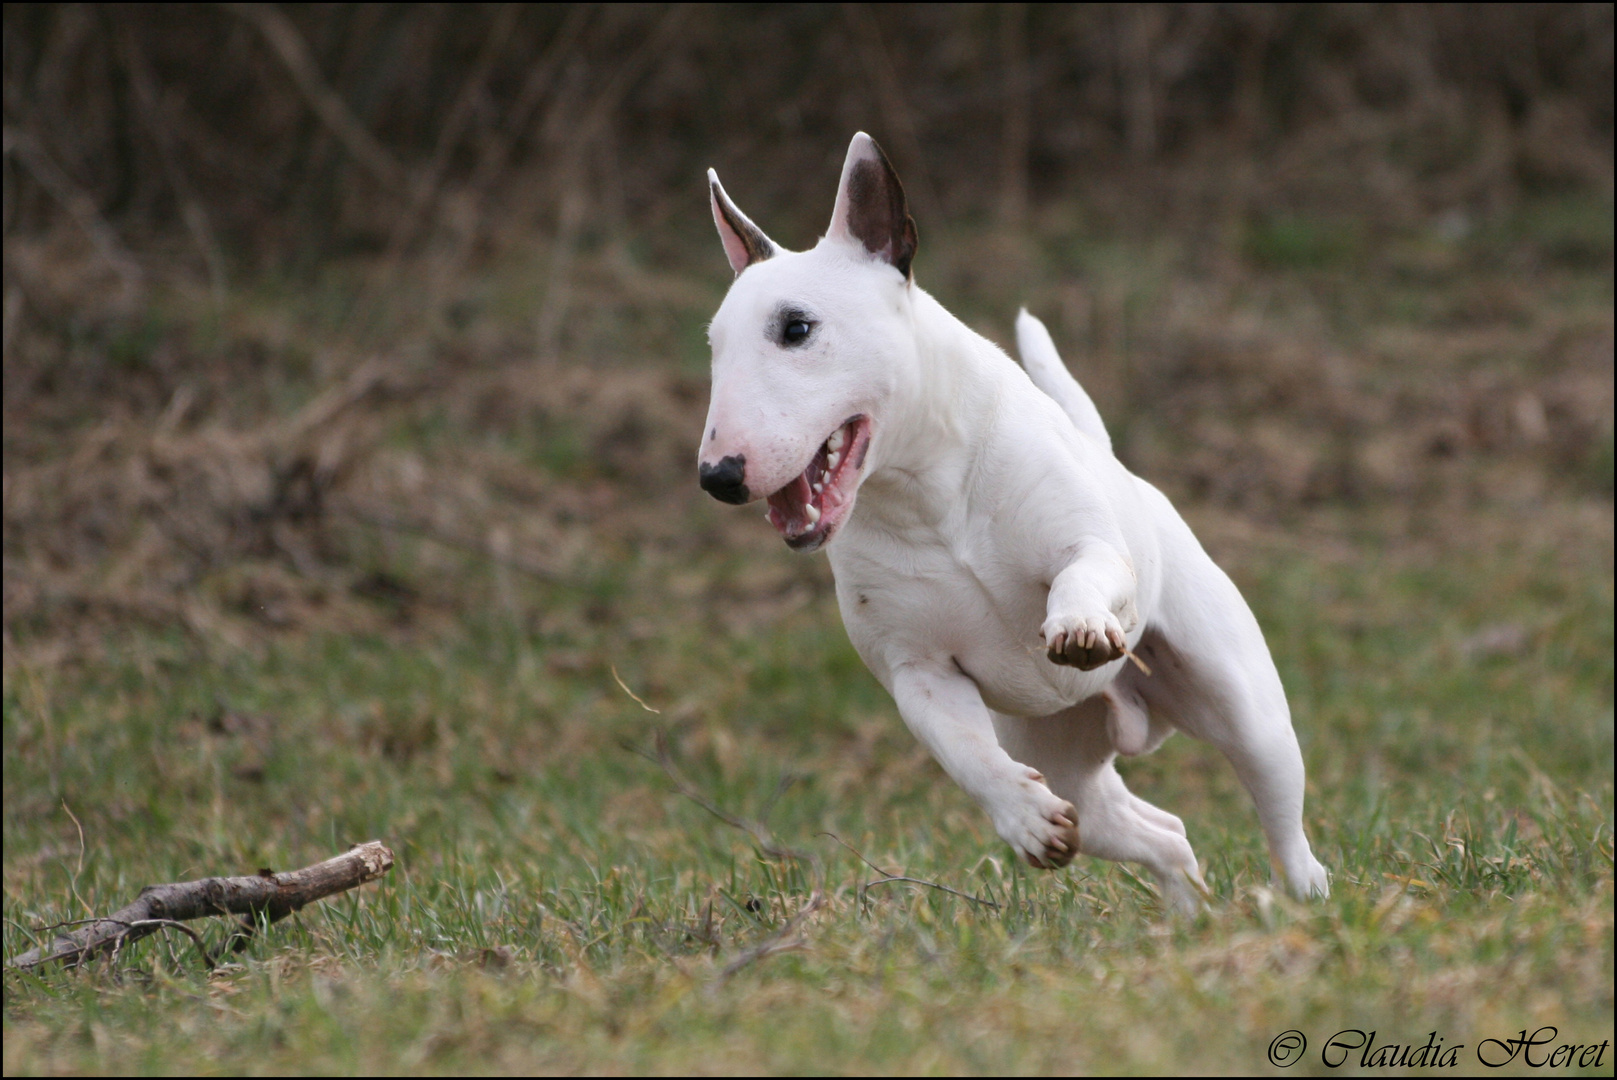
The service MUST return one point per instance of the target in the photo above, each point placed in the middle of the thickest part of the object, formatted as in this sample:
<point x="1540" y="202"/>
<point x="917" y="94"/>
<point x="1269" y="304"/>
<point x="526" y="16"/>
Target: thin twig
<point x="173" y="924"/>
<point x="1015" y="113"/>
<point x="787" y="779"/>
<point x="425" y="196"/>
<point x="327" y="104"/>
<point x="857" y="854"/>
<point x="776" y="942"/>
<point x="863" y="889"/>
<point x="48" y="927"/>
<point x="76" y="201"/>
<point x="887" y="876"/>
<point x="656" y="47"/>
<point x="759" y="833"/>
<point x="497" y="149"/>
<point x="878" y="65"/>
<point x="73" y="883"/>
<point x="637" y="699"/>
<point x="540" y="76"/>
<point x="1145" y="669"/>
<point x="573" y="200"/>
<point x="192" y="211"/>
<point x="781" y="940"/>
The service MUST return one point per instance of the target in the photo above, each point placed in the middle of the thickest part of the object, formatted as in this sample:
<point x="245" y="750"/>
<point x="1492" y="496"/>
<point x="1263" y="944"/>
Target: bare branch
<point x="657" y="46"/>
<point x="75" y="200"/>
<point x="333" y="111"/>
<point x="425" y="196"/>
<point x="568" y="173"/>
<point x="268" y="895"/>
<point x="540" y="76"/>
<point x="1017" y="114"/>
<point x="900" y="118"/>
<point x="192" y="211"/>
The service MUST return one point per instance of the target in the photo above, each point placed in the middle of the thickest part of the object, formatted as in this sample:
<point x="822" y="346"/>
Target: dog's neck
<point x="951" y="397"/>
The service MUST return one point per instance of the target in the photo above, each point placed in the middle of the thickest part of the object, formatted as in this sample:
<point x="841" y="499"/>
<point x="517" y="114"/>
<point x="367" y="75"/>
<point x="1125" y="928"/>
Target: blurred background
<point x="341" y="315"/>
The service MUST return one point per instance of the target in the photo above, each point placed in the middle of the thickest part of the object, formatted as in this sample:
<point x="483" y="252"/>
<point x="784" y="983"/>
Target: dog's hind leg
<point x="1212" y="676"/>
<point x="1157" y="815"/>
<point x="1074" y="752"/>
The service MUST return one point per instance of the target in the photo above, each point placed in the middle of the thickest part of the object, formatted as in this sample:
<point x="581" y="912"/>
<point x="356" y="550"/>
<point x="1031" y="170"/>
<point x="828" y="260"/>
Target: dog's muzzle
<point x="724" y="481"/>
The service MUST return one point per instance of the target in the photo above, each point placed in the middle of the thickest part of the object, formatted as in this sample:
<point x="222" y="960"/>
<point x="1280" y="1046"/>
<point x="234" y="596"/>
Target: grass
<point x="558" y="906"/>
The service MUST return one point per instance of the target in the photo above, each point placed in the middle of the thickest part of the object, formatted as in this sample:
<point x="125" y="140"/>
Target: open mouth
<point x="808" y="510"/>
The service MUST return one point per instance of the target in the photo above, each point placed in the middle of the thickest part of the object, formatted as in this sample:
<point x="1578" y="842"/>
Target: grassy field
<point x="1371" y="434"/>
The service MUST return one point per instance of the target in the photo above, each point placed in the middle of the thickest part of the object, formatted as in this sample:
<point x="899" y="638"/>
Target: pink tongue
<point x="787" y="505"/>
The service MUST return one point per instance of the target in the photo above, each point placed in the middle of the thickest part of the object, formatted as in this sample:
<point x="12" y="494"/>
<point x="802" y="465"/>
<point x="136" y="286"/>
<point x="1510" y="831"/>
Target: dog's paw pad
<point x="1084" y="643"/>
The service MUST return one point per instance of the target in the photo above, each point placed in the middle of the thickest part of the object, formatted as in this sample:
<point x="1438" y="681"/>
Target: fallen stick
<point x="273" y="896"/>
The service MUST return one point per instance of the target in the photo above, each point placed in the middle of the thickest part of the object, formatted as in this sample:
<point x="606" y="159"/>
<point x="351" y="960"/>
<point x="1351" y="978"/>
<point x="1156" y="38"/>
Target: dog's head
<point x="805" y="347"/>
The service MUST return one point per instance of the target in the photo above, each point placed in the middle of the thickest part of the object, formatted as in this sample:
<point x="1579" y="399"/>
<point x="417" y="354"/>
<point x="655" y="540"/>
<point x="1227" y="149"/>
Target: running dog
<point x="967" y="505"/>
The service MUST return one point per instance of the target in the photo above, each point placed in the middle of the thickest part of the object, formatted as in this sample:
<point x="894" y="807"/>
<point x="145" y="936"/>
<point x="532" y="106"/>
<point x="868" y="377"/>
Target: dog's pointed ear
<point x="744" y="242"/>
<point x="871" y="210"/>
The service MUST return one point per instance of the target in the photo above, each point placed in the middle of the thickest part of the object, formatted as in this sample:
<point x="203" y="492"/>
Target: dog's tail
<point x="1049" y="374"/>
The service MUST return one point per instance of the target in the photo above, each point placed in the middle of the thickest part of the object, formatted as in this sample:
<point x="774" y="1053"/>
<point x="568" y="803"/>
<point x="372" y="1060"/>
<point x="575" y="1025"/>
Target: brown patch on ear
<point x="878" y="212"/>
<point x="756" y="246"/>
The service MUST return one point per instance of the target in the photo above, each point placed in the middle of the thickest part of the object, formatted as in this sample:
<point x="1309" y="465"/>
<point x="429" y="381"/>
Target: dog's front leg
<point x="1091" y="608"/>
<point x="944" y="709"/>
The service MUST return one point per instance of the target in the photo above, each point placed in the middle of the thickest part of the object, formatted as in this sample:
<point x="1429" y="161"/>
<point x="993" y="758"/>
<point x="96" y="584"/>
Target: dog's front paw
<point x="1042" y="827"/>
<point x="1083" y="641"/>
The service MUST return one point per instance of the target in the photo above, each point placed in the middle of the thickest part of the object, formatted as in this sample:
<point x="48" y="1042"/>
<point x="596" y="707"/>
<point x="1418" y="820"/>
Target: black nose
<point x="723" y="481"/>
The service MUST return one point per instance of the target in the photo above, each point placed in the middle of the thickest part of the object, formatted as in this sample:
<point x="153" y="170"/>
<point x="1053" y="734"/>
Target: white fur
<point x="993" y="518"/>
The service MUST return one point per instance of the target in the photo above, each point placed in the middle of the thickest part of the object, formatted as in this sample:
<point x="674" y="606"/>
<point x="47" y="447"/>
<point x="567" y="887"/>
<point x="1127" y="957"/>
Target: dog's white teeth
<point x="819" y="487"/>
<point x="831" y="462"/>
<point x="834" y="443"/>
<point x="812" y="512"/>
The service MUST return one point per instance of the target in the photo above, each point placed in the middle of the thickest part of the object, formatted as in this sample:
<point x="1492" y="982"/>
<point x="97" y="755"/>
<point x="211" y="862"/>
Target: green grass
<point x="1442" y="617"/>
<point x="558" y="906"/>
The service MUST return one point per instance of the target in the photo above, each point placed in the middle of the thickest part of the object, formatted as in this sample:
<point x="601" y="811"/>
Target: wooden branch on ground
<point x="270" y="895"/>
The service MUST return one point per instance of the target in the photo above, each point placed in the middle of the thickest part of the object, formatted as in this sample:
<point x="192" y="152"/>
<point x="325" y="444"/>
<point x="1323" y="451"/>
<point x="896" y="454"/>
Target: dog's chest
<point x="968" y="601"/>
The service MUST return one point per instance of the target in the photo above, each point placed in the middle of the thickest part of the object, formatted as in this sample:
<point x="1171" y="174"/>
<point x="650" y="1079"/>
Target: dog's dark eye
<point x="795" y="332"/>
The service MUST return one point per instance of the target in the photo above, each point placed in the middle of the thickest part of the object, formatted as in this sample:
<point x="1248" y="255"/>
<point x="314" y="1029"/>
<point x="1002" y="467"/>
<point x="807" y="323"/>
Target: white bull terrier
<point x="990" y="509"/>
